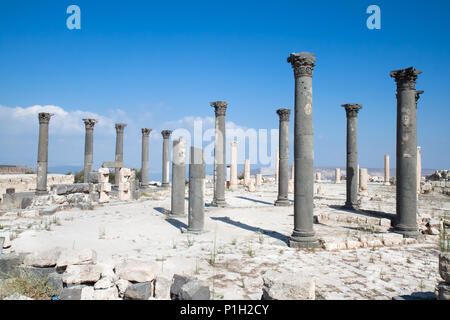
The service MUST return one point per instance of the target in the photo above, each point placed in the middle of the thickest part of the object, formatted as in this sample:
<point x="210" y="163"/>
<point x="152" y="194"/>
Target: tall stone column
<point x="419" y="169"/>
<point x="303" y="234"/>
<point x="233" y="166"/>
<point x="220" y="108"/>
<point x="165" y="158"/>
<point x="337" y="175"/>
<point x="277" y="166"/>
<point x="196" y="216"/>
<point x="144" y="157"/>
<point x="386" y="170"/>
<point x="42" y="161"/>
<point x="352" y="110"/>
<point x="119" y="148"/>
<point x="178" y="176"/>
<point x="246" y="172"/>
<point x="363" y="179"/>
<point x="406" y="171"/>
<point x="283" y="167"/>
<point x="88" y="147"/>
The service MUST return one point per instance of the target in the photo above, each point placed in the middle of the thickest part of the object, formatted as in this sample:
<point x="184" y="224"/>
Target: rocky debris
<point x="139" y="291"/>
<point x="443" y="291"/>
<point x="137" y="271"/>
<point x="444" y="266"/>
<point x="438" y="175"/>
<point x="6" y="240"/>
<point x="70" y="256"/>
<point x="63" y="189"/>
<point x="49" y="210"/>
<point x="280" y="286"/>
<point x="47" y="258"/>
<point x="77" y="293"/>
<point x="104" y="283"/>
<point x="8" y="263"/>
<point x="106" y="294"/>
<point x="122" y="285"/>
<point x="55" y="282"/>
<point x="162" y="288"/>
<point x="188" y="288"/>
<point x="77" y="274"/>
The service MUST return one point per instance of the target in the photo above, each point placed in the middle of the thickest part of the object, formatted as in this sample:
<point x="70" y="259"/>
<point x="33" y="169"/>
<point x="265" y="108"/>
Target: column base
<point x="219" y="203"/>
<point x="196" y="232"/>
<point x="407" y="232"/>
<point x="176" y="215"/>
<point x="41" y="193"/>
<point x="165" y="185"/>
<point x="350" y="206"/>
<point x="282" y="203"/>
<point x="387" y="183"/>
<point x="303" y="242"/>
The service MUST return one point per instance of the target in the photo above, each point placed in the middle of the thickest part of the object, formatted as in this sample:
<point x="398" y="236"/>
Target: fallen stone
<point x="69" y="256"/>
<point x="49" y="211"/>
<point x="177" y="282"/>
<point x="104" y="283"/>
<point x="6" y="240"/>
<point x="76" y="274"/>
<point x="70" y="294"/>
<point x="162" y="288"/>
<point x="443" y="291"/>
<point x="8" y="263"/>
<point x="279" y="286"/>
<point x="55" y="282"/>
<point x="122" y="285"/>
<point x="137" y="271"/>
<point x="47" y="258"/>
<point x="444" y="266"/>
<point x="194" y="290"/>
<point x="139" y="291"/>
<point x="106" y="294"/>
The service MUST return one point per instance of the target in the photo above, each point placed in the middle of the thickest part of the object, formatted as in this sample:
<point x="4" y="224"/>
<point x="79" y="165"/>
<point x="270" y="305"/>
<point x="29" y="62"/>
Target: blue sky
<point x="154" y="63"/>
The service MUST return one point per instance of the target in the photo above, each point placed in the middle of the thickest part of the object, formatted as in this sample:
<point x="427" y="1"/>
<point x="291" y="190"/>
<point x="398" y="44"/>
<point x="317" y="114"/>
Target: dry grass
<point x="26" y="284"/>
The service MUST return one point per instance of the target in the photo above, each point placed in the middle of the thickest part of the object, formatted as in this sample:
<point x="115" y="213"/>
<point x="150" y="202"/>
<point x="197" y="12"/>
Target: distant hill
<point x="11" y="169"/>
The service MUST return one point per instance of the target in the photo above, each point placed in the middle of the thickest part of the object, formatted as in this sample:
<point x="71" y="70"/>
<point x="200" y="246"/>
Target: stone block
<point x="282" y="286"/>
<point x="46" y="258"/>
<point x="76" y="274"/>
<point x="70" y="256"/>
<point x="443" y="291"/>
<point x="9" y="263"/>
<point x="137" y="271"/>
<point x="139" y="291"/>
<point x="444" y="266"/>
<point x="194" y="290"/>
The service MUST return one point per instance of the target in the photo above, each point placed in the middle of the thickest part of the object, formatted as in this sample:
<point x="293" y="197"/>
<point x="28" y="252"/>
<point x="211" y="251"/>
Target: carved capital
<point x="284" y="114"/>
<point x="220" y="107"/>
<point x="90" y="123"/>
<point x="146" y="132"/>
<point x="418" y="93"/>
<point x="44" y="117"/>
<point x="166" y="133"/>
<point x="405" y="78"/>
<point x="120" y="127"/>
<point x="352" y="109"/>
<point x="302" y="63"/>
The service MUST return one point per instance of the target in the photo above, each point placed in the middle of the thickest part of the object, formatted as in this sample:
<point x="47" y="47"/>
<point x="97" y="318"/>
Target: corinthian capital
<point x="90" y="123"/>
<point x="220" y="107"/>
<point x="166" y="134"/>
<point x="352" y="109"/>
<point x="120" y="127"/>
<point x="302" y="63"/>
<point x="146" y="132"/>
<point x="284" y="114"/>
<point x="418" y="93"/>
<point x="44" y="117"/>
<point x="405" y="78"/>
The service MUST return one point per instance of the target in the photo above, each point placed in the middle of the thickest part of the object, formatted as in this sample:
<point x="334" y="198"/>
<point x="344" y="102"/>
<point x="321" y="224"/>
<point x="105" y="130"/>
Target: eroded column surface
<point x="283" y="162"/>
<point x="277" y="166"/>
<point x="120" y="127"/>
<point x="178" y="176"/>
<point x="386" y="170"/>
<point x="144" y="158"/>
<point x="196" y="216"/>
<point x="351" y="110"/>
<point x="42" y="161"/>
<point x="165" y="158"/>
<point x="406" y="168"/>
<point x="303" y="234"/>
<point x="220" y="108"/>
<point x="419" y="168"/>
<point x="88" y="147"/>
<point x="337" y="175"/>
<point x="233" y="166"/>
<point x="246" y="172"/>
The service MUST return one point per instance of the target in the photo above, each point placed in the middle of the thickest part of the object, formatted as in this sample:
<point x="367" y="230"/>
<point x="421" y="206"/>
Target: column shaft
<point x="42" y="161"/>
<point x="233" y="166"/>
<point x="165" y="158"/>
<point x="283" y="167"/>
<point x="119" y="148"/>
<point x="219" y="154"/>
<point x="88" y="147"/>
<point x="178" y="176"/>
<point x="196" y="215"/>
<point x="144" y="158"/>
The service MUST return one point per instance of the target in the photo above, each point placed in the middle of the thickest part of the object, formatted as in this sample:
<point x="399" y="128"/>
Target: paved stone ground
<point x="246" y="239"/>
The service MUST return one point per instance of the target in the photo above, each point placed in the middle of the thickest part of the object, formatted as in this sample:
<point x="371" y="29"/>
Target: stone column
<point x="303" y="234"/>
<point x="337" y="175"/>
<point x="220" y="108"/>
<point x="196" y="215"/>
<point x="419" y="168"/>
<point x="165" y="158"/>
<point x="283" y="162"/>
<point x="277" y="166"/>
<point x="406" y="168"/>
<point x="178" y="176"/>
<point x="119" y="148"/>
<point x="292" y="172"/>
<point x="258" y="180"/>
<point x="42" y="161"/>
<point x="386" y="170"/>
<point x="144" y="157"/>
<point x="363" y="179"/>
<point x="246" y="172"/>
<point x="352" y="110"/>
<point x="318" y="176"/>
<point x="88" y="147"/>
<point x="233" y="166"/>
